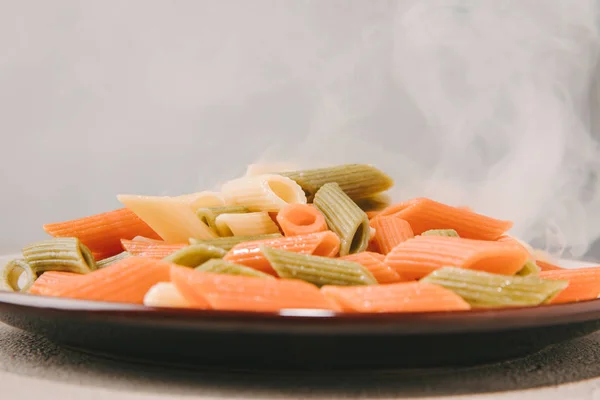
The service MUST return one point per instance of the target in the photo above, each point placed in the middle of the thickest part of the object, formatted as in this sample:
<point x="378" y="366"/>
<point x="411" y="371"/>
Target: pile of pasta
<point x="325" y="238"/>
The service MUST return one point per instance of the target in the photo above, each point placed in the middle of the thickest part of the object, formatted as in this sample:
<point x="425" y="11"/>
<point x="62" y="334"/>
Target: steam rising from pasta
<point x="477" y="102"/>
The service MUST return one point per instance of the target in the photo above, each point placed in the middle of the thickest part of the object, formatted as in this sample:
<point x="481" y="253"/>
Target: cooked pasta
<point x="482" y="289"/>
<point x="356" y="180"/>
<point x="11" y="274"/>
<point x="227" y="243"/>
<point x="317" y="270"/>
<point x="584" y="284"/>
<point x="59" y="254"/>
<point x="195" y="255"/>
<point x="218" y="266"/>
<point x="250" y="254"/>
<point x="417" y="257"/>
<point x="173" y="219"/>
<point x="209" y="215"/>
<point x="344" y="218"/>
<point x="248" y="224"/>
<point x="441" y="232"/>
<point x="267" y="192"/>
<point x="202" y="200"/>
<point x="374" y="203"/>
<point x="390" y="231"/>
<point x="374" y="262"/>
<point x="155" y="250"/>
<point x="49" y="281"/>
<point x="164" y="294"/>
<point x="301" y="219"/>
<point x="424" y="214"/>
<point x="530" y="268"/>
<point x="111" y="260"/>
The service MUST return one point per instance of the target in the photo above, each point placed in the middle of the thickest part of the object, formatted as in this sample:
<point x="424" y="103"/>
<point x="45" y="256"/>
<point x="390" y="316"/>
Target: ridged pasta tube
<point x="343" y="217"/>
<point x="59" y="254"/>
<point x="249" y="224"/>
<point x="228" y="243"/>
<point x="164" y="294"/>
<point x="217" y="266"/>
<point x="11" y="275"/>
<point x="267" y="192"/>
<point x="317" y="270"/>
<point x="111" y="260"/>
<point x="209" y="215"/>
<point x="482" y="289"/>
<point x="440" y="232"/>
<point x="530" y="268"/>
<point x="356" y="180"/>
<point x="195" y="255"/>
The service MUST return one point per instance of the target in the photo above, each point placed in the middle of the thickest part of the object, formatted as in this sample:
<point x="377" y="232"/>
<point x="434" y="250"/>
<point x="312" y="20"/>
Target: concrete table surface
<point x="33" y="368"/>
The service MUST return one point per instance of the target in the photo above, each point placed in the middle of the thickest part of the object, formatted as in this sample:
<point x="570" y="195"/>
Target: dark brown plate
<point x="305" y="339"/>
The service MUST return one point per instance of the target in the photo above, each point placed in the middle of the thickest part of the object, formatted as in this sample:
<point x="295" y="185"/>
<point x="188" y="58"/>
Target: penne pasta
<point x="243" y="293"/>
<point x="248" y="224"/>
<point x="482" y="289"/>
<point x="263" y="192"/>
<point x="102" y="233"/>
<point x="317" y="270"/>
<point x="390" y="231"/>
<point x="201" y="200"/>
<point x="51" y="280"/>
<point x="11" y="274"/>
<point x="530" y="268"/>
<point x="217" y="266"/>
<point x="195" y="255"/>
<point x="59" y="254"/>
<point x="374" y="203"/>
<point x="424" y="214"/>
<point x="227" y="243"/>
<point x="301" y="219"/>
<point x="356" y="180"/>
<point x="209" y="215"/>
<point x="173" y="219"/>
<point x="584" y="284"/>
<point x="374" y="262"/>
<point x="418" y="257"/>
<point x="250" y="254"/>
<point x="396" y="297"/>
<point x="344" y="218"/>
<point x="111" y="260"/>
<point x="150" y="249"/>
<point x="164" y="294"/>
<point x="441" y="232"/>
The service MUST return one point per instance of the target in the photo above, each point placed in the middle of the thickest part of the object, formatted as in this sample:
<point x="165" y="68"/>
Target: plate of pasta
<point x="282" y="267"/>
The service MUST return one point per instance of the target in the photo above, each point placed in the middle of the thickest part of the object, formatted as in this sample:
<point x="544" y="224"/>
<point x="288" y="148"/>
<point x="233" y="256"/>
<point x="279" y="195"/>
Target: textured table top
<point x="31" y="367"/>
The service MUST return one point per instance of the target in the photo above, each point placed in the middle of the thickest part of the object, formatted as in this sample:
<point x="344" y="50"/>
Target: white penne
<point x="171" y="217"/>
<point x="269" y="168"/>
<point x="248" y="224"/>
<point x="164" y="294"/>
<point x="203" y="199"/>
<point x="263" y="192"/>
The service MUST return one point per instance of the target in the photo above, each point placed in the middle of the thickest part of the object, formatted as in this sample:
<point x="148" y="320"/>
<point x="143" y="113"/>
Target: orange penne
<point x="546" y="266"/>
<point x="102" y="233"/>
<point x="300" y="219"/>
<point x="396" y="297"/>
<point x="49" y="281"/>
<point x="242" y="293"/>
<point x="372" y="214"/>
<point x="424" y="214"/>
<point x="390" y="231"/>
<point x="126" y="281"/>
<point x="325" y="244"/>
<point x="584" y="284"/>
<point x="374" y="262"/>
<point x="143" y="248"/>
<point x="422" y="255"/>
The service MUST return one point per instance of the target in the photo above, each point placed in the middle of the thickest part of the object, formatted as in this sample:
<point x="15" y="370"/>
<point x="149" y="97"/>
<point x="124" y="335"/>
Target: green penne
<point x="223" y="267"/>
<point x="11" y="274"/>
<point x="374" y="203"/>
<point x="482" y="289"/>
<point x="530" y="268"/>
<point x="441" y="232"/>
<point x="356" y="180"/>
<point x="317" y="270"/>
<point x="59" y="254"/>
<point x="209" y="215"/>
<point x="195" y="255"/>
<point x="343" y="217"/>
<point x="227" y="243"/>
<point x="111" y="260"/>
